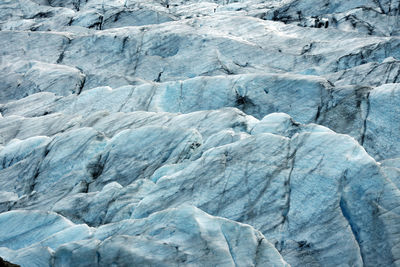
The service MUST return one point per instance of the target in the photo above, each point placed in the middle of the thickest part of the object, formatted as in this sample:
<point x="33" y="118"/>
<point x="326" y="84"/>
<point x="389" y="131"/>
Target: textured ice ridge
<point x="200" y="133"/>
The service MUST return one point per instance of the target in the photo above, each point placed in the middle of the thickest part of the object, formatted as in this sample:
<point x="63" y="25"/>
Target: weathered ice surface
<point x="184" y="235"/>
<point x="200" y="132"/>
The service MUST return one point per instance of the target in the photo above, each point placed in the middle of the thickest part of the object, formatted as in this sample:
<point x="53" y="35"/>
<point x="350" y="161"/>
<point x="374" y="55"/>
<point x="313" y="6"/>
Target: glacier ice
<point x="200" y="132"/>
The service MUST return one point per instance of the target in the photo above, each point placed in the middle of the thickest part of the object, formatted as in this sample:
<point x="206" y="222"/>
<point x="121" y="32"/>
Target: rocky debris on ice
<point x="7" y="264"/>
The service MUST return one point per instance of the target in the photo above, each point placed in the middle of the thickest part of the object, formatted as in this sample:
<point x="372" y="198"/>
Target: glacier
<point x="200" y="132"/>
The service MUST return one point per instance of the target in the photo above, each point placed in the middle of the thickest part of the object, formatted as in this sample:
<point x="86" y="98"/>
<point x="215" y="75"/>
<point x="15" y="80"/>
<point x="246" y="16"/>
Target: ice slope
<point x="200" y="133"/>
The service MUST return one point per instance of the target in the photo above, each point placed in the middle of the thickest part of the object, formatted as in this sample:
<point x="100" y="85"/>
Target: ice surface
<point x="200" y="133"/>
